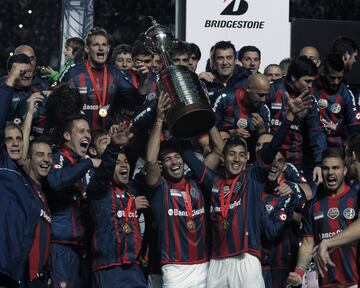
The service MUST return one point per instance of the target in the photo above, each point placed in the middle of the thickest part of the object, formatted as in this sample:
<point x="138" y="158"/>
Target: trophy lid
<point x="160" y="36"/>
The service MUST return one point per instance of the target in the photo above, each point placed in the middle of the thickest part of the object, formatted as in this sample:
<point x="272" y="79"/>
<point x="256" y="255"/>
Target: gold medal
<point x="102" y="112"/>
<point x="127" y="228"/>
<point x="190" y="224"/>
<point x="225" y="225"/>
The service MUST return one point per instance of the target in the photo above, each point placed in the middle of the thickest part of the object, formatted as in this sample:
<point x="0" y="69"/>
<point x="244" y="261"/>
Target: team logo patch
<point x="63" y="284"/>
<point x="194" y="193"/>
<point x="175" y="193"/>
<point x="349" y="213"/>
<point x="242" y="123"/>
<point x="269" y="208"/>
<point x="57" y="166"/>
<point x="357" y="116"/>
<point x="17" y="121"/>
<point x="282" y="216"/>
<point x="323" y="103"/>
<point x="318" y="215"/>
<point x="333" y="213"/>
<point x="335" y="108"/>
<point x="171" y="212"/>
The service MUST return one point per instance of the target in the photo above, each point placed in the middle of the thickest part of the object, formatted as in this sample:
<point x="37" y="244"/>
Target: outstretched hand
<point x="297" y="104"/>
<point x="163" y="105"/>
<point x="120" y="134"/>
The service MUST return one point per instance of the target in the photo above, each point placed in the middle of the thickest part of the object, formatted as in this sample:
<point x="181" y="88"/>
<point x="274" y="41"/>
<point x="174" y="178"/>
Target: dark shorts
<point x="119" y="277"/>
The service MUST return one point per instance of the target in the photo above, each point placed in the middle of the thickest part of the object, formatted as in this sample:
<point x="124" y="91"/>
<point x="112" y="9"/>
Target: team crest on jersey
<point x="269" y="208"/>
<point x="322" y="103"/>
<point x="63" y="284"/>
<point x="333" y="213"/>
<point x="357" y="116"/>
<point x="318" y="215"/>
<point x="335" y="108"/>
<point x="226" y="190"/>
<point x="349" y="213"/>
<point x="57" y="166"/>
<point x="194" y="193"/>
<point x="175" y="193"/>
<point x="242" y="123"/>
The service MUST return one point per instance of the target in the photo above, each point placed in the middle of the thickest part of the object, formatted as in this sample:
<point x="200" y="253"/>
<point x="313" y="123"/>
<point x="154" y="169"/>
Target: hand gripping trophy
<point x="190" y="114"/>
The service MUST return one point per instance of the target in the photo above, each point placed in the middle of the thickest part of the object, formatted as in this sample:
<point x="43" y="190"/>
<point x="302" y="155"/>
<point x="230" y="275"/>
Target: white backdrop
<point x="261" y="23"/>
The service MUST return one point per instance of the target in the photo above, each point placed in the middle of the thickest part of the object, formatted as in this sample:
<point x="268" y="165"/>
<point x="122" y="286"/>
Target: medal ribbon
<point x="188" y="204"/>
<point x="225" y="206"/>
<point x="129" y="204"/>
<point x="93" y="82"/>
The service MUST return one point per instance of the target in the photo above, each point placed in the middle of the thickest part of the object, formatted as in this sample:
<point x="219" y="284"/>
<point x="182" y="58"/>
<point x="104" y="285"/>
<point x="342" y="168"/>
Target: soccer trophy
<point x="190" y="114"/>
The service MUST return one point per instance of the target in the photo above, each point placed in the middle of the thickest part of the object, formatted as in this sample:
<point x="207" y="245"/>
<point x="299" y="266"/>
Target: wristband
<point x="299" y="271"/>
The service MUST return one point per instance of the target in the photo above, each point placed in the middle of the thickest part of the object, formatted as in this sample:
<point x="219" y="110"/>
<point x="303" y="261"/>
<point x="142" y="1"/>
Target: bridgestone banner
<point x="264" y="24"/>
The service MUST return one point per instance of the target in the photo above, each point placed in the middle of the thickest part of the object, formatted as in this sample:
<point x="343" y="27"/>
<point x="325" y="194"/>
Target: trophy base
<point x="186" y="122"/>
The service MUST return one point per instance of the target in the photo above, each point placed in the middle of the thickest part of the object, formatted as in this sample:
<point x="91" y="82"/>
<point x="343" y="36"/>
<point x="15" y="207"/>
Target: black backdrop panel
<point x="320" y="34"/>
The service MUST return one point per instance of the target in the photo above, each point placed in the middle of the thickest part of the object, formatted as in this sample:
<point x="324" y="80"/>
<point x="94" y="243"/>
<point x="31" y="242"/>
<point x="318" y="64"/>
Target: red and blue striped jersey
<point x="39" y="253"/>
<point x="120" y="92"/>
<point x="177" y="243"/>
<point x="233" y="112"/>
<point x="307" y="121"/>
<point x="68" y="180"/>
<point x="327" y="216"/>
<point x="112" y="245"/>
<point x="339" y="108"/>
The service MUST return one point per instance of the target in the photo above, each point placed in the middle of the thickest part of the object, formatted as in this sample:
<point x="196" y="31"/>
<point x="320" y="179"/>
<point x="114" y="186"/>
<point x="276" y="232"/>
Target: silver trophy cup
<point x="190" y="114"/>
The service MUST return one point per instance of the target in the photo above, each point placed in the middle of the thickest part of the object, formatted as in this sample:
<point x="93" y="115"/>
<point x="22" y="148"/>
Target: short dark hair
<point x="333" y="61"/>
<point x="75" y="43"/>
<point x="179" y="47"/>
<point x="353" y="145"/>
<point x="17" y="58"/>
<point x="39" y="140"/>
<point x="166" y="147"/>
<point x="96" y="134"/>
<point x="96" y="31"/>
<point x="223" y="45"/>
<point x="69" y="121"/>
<point x="301" y="66"/>
<point x="234" y="141"/>
<point x="332" y="152"/>
<point x="343" y="44"/>
<point x="248" y="48"/>
<point x="194" y="49"/>
<point x="139" y="48"/>
<point x="122" y="48"/>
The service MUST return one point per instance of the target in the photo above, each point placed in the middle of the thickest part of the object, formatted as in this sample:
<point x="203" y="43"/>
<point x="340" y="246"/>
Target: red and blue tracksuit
<point x="120" y="92"/>
<point x="326" y="216"/>
<point x="339" y="108"/>
<point x="70" y="221"/>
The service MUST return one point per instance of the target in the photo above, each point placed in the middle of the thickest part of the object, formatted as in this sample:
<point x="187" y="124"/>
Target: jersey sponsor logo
<point x="231" y="206"/>
<point x="218" y="99"/>
<point x="333" y="213"/>
<point x="142" y="114"/>
<point x="294" y="127"/>
<point x="322" y="103"/>
<point x="182" y="213"/>
<point x="335" y="108"/>
<point x="121" y="213"/>
<point x="349" y="213"/>
<point x="242" y="123"/>
<point x="318" y="215"/>
<point x="329" y="234"/>
<point x="276" y="106"/>
<point x="282" y="216"/>
<point x="269" y="208"/>
<point x="175" y="193"/>
<point x="215" y="190"/>
<point x="94" y="107"/>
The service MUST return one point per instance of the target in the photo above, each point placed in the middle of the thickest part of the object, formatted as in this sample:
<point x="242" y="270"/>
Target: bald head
<point x="258" y="89"/>
<point x="28" y="51"/>
<point x="312" y="53"/>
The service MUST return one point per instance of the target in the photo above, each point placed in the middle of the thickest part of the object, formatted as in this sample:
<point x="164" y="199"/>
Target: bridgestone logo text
<point x="234" y="24"/>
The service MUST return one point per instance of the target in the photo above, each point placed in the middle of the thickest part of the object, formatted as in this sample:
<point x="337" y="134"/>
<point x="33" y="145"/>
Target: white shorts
<point x="185" y="276"/>
<point x="235" y="272"/>
<point x="155" y="281"/>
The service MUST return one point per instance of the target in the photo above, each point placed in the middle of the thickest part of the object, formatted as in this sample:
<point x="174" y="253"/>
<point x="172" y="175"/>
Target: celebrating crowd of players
<point x="86" y="153"/>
